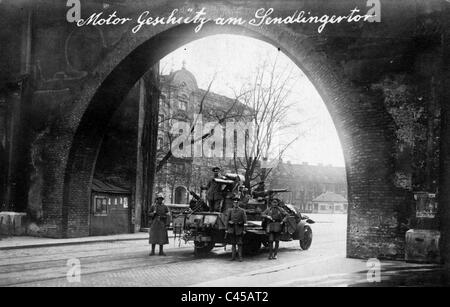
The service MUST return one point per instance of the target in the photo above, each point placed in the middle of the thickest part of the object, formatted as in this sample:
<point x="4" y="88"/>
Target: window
<point x="160" y="143"/>
<point x="179" y="168"/>
<point x="183" y="100"/>
<point x="181" y="145"/>
<point x="100" y="206"/>
<point x="183" y="105"/>
<point x="161" y="120"/>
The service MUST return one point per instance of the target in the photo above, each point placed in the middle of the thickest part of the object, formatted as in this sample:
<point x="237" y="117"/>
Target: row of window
<point x="160" y="142"/>
<point x="182" y="105"/>
<point x="102" y="203"/>
<point x="333" y="207"/>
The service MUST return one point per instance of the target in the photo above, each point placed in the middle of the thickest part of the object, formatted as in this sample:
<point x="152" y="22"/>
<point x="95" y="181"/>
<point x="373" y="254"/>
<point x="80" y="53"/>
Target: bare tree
<point x="265" y="103"/>
<point x="266" y="97"/>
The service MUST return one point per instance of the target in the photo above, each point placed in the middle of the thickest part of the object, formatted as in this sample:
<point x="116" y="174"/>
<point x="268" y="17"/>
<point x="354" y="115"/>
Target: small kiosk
<point x="422" y="241"/>
<point x="110" y="210"/>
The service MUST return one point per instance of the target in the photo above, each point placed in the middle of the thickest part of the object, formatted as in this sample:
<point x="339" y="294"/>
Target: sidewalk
<point x="17" y="242"/>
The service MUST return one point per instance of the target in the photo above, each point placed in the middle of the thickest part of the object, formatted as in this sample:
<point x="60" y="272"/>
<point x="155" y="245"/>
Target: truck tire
<point x="203" y="248"/>
<point x="305" y="243"/>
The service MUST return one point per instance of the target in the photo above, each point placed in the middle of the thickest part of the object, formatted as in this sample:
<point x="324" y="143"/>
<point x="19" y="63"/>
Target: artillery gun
<point x="208" y="229"/>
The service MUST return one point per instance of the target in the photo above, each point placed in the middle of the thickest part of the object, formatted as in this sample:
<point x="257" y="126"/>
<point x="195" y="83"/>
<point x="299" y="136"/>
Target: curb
<point x="37" y="245"/>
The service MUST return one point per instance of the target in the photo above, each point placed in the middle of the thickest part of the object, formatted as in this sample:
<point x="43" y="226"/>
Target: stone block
<point x="422" y="246"/>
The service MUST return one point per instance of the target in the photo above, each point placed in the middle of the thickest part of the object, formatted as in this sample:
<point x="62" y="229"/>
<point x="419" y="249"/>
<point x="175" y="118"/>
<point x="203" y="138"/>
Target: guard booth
<point x="110" y="210"/>
<point x="422" y="240"/>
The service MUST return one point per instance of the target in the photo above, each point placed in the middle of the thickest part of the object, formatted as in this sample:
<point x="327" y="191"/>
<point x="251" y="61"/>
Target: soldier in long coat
<point x="159" y="218"/>
<point x="236" y="219"/>
<point x="275" y="216"/>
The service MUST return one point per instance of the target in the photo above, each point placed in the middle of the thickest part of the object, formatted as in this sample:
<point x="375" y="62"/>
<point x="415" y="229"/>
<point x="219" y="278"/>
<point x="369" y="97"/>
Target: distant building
<point x="307" y="182"/>
<point x="330" y="202"/>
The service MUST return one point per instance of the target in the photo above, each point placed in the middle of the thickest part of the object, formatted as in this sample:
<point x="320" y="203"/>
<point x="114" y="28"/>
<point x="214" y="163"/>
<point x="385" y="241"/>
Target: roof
<point x="100" y="186"/>
<point x="330" y="197"/>
<point x="312" y="173"/>
<point x="179" y="76"/>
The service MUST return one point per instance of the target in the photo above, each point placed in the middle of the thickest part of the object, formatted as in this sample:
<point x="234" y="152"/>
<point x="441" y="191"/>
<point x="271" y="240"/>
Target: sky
<point x="231" y="61"/>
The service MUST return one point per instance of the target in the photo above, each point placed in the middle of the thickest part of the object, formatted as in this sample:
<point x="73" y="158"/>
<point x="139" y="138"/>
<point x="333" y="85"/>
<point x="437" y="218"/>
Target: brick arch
<point x="362" y="125"/>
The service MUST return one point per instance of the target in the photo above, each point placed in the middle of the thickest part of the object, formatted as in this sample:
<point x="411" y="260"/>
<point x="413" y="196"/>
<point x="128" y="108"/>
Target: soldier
<point x="236" y="219"/>
<point x="214" y="193"/>
<point x="245" y="196"/>
<point x="159" y="217"/>
<point x="261" y="187"/>
<point x="259" y="190"/>
<point x="275" y="216"/>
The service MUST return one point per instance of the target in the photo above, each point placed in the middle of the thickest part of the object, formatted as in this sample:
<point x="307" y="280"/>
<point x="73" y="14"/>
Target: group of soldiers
<point x="236" y="219"/>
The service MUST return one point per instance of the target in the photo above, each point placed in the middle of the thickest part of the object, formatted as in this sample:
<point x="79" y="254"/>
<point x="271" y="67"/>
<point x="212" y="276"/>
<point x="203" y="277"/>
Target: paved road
<point x="127" y="263"/>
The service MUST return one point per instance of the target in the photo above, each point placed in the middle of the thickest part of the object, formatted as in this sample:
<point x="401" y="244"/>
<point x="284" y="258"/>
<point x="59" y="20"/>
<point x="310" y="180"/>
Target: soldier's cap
<point x="236" y="198"/>
<point x="160" y="195"/>
<point x="216" y="169"/>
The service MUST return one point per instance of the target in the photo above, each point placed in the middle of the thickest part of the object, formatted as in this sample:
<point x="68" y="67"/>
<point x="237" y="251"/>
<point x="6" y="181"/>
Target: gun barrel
<point x="268" y="192"/>
<point x="195" y="195"/>
<point x="278" y="190"/>
<point x="223" y="181"/>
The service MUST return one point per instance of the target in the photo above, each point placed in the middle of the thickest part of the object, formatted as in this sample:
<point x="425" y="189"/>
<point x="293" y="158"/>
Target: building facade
<point x="306" y="182"/>
<point x="181" y="100"/>
<point x="330" y="202"/>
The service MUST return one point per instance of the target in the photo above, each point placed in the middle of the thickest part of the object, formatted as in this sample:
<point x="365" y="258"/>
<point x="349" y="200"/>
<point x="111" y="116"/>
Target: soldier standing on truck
<point x="244" y="195"/>
<point x="214" y="194"/>
<point x="261" y="187"/>
<point x="236" y="219"/>
<point x="275" y="216"/>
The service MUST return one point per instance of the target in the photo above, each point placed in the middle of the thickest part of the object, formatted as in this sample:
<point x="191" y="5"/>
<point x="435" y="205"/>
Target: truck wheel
<point x="305" y="243"/>
<point x="202" y="248"/>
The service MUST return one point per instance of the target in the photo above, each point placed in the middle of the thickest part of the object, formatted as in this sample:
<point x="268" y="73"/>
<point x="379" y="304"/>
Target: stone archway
<point x="364" y="127"/>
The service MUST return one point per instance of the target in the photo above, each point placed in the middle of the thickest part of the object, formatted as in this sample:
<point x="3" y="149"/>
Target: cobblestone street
<point x="127" y="263"/>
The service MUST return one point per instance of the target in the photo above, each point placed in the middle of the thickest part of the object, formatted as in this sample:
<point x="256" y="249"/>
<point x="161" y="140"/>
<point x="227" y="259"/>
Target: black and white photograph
<point x="224" y="144"/>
